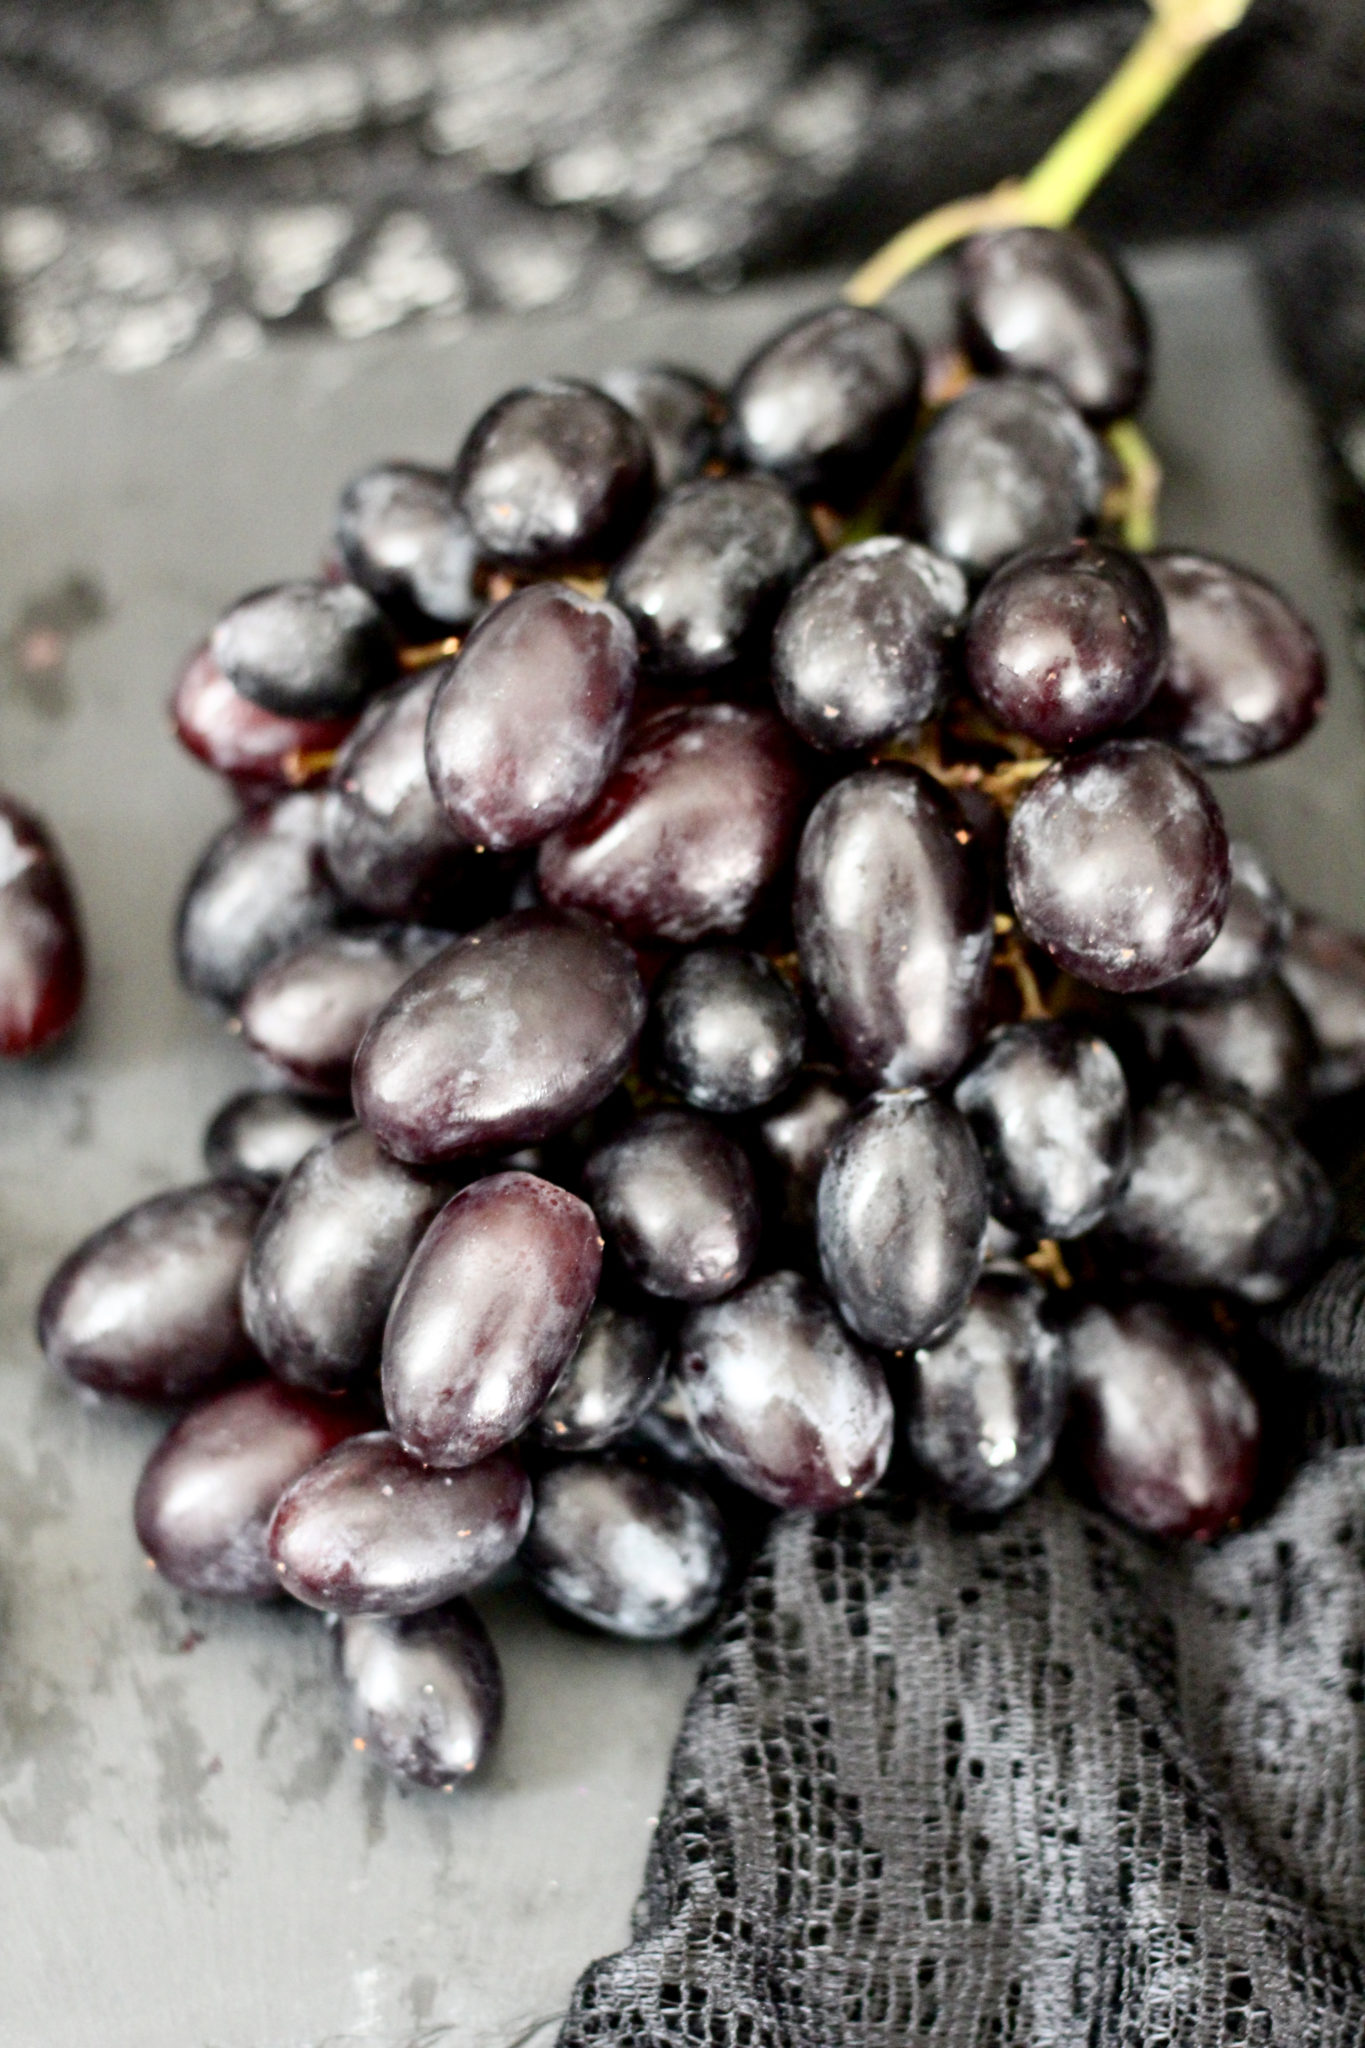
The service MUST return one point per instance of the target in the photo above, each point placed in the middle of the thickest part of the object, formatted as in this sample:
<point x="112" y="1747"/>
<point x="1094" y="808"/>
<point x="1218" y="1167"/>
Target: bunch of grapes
<point x="760" y="1002"/>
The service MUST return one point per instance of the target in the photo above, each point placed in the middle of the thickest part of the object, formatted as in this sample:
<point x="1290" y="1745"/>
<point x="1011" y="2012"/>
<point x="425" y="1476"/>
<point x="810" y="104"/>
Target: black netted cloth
<point x="1033" y="1784"/>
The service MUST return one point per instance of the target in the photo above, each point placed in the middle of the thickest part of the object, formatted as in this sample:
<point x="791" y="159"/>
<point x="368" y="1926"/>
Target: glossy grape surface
<point x="827" y="403"/>
<point x="1258" y="1045"/>
<point x="1324" y="968"/>
<point x="862" y="653"/>
<point x="1066" y="643"/>
<point x="1048" y="300"/>
<point x="707" y="578"/>
<point x="226" y="731"/>
<point x="1220" y="1198"/>
<point x="328" y="1256"/>
<point x="204" y="1501"/>
<point x="306" y="649"/>
<point x="676" y="1200"/>
<point x="1250" y="940"/>
<point x="389" y="845"/>
<point x="424" y="1692"/>
<point x="689" y="831"/>
<point x="797" y="1133"/>
<point x="681" y="415"/>
<point x="307" y="1011"/>
<point x="990" y="1398"/>
<point x="260" y="887"/>
<point x="629" y="1551"/>
<point x="488" y="1315"/>
<point x="783" y="1399"/>
<point x="42" y="959"/>
<point x="1168" y="1432"/>
<point x="262" y="1134"/>
<point x="401" y="538"/>
<point x="893" y="925"/>
<point x="1118" y="865"/>
<point x="901" y="1215"/>
<point x="529" y="718"/>
<point x="552" y="475"/>
<point x="370" y="1530"/>
<point x="728" y="1030"/>
<point x="1048" y="1106"/>
<point x="148" y="1305"/>
<point x="613" y="1376"/>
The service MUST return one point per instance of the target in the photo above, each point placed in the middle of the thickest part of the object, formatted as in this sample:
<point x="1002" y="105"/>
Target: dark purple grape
<point x="990" y="1399"/>
<point x="306" y="649"/>
<point x="1047" y="300"/>
<point x="828" y="403"/>
<point x="1066" y="643"/>
<point x="256" y="748"/>
<point x="552" y="475"/>
<point x="424" y="1692"/>
<point x="797" y="1133"/>
<point x="629" y="1551"/>
<point x="401" y="538"/>
<point x="529" y="718"/>
<point x="901" y="1215"/>
<point x="680" y="413"/>
<point x="261" y="1135"/>
<point x="1245" y="677"/>
<point x="676" y="1201"/>
<point x="1048" y="1106"/>
<point x="148" y="1305"/>
<point x="862" y="652"/>
<point x="729" y="1033"/>
<point x="487" y="1317"/>
<point x="260" y="887"/>
<point x="506" y="1037"/>
<point x="893" y="925"/>
<point x="1009" y="465"/>
<point x="1168" y="1433"/>
<point x="307" y="1011"/>
<point x="1250" y="939"/>
<point x="369" y="1530"/>
<point x="205" y="1498"/>
<point x="1118" y="865"/>
<point x="784" y="1400"/>
<point x="1220" y="1198"/>
<point x="388" y="843"/>
<point x="689" y="831"/>
<point x="1258" y="1046"/>
<point x="42" y="959"/>
<point x="1324" y="968"/>
<point x="665" y="1431"/>
<point x="707" y="578"/>
<point x="606" y="1386"/>
<point x="328" y="1256"/>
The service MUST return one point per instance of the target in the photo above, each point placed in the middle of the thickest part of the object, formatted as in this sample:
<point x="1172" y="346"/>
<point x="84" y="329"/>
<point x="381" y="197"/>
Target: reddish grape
<point x="42" y="959"/>
<point x="629" y="1551"/>
<point x="307" y="1011"/>
<point x="1049" y="300"/>
<point x="225" y="730"/>
<point x="676" y="1200"/>
<point x="552" y="475"/>
<point x="424" y="1692"/>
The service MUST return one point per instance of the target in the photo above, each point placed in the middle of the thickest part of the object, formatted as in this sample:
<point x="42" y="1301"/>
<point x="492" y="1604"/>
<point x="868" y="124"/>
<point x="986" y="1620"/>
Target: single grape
<point x="260" y="887"/>
<point x="1066" y="643"/>
<point x="1167" y="1431"/>
<point x="205" y="1498"/>
<point x="506" y="1037"/>
<point x="1048" y="1106"/>
<point x="990" y="1399"/>
<point x="629" y="1551"/>
<point x="784" y="1400"/>
<point x="402" y="539"/>
<point x="606" y="1386"/>
<point x="707" y="578"/>
<point x="424" y="1692"/>
<point x="796" y="1135"/>
<point x="42" y="959"/>
<point x="1258" y="1046"/>
<point x="148" y="1305"/>
<point x="389" y="846"/>
<point x="693" y="826"/>
<point x="552" y="475"/>
<point x="308" y="1009"/>
<point x="901" y="1215"/>
<point x="1118" y="865"/>
<point x="827" y="403"/>
<point x="1245" y="677"/>
<point x="681" y="415"/>
<point x="665" y="1431"/>
<point x="262" y="1134"/>
<point x="257" y="749"/>
<point x="893" y="925"/>
<point x="676" y="1201"/>
<point x="488" y="1315"/>
<point x="863" y="650"/>
<point x="1048" y="300"/>
<point x="306" y="649"/>
<point x="370" y="1530"/>
<point x="529" y="718"/>
<point x="1009" y="465"/>
<point x="1250" y="940"/>
<point x="1220" y="1198"/>
<point x="728" y="1030"/>
<point x="1324" y="968"/>
<point x="326" y="1262"/>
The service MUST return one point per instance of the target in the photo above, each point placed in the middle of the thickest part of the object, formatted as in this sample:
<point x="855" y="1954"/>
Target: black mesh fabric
<point x="1038" y="1783"/>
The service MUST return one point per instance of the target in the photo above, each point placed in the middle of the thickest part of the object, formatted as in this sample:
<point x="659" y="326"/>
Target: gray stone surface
<point x="190" y="1857"/>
